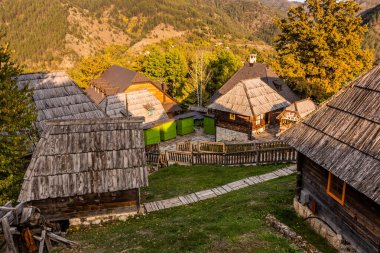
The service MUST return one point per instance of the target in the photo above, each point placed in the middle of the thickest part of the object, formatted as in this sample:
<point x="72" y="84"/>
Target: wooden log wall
<point x="358" y="219"/>
<point x="88" y="205"/>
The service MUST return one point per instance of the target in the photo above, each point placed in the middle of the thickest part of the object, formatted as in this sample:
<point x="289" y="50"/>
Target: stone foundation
<point x="224" y="134"/>
<point x="336" y="240"/>
<point x="100" y="219"/>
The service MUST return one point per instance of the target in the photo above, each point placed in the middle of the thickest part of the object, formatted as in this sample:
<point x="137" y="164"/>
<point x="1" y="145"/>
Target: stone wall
<point x="335" y="239"/>
<point x="224" y="134"/>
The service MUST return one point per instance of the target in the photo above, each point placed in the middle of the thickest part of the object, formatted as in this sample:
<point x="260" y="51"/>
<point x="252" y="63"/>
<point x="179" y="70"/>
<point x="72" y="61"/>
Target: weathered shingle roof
<point x="344" y="135"/>
<point x="58" y="97"/>
<point x="78" y="157"/>
<point x="139" y="103"/>
<point x="257" y="70"/>
<point x="117" y="79"/>
<point x="303" y="107"/>
<point x="250" y="97"/>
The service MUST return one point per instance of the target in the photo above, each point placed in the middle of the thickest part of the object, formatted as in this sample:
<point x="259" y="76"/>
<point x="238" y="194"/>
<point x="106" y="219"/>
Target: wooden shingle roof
<point x="79" y="157"/>
<point x="117" y="79"/>
<point x="302" y="107"/>
<point x="139" y="104"/>
<point x="58" y="97"/>
<point x="254" y="71"/>
<point x="344" y="135"/>
<point x="250" y="97"/>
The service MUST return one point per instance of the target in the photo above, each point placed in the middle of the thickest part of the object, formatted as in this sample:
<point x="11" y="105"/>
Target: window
<point x="150" y="111"/>
<point x="258" y="119"/>
<point x="232" y="116"/>
<point x="336" y="188"/>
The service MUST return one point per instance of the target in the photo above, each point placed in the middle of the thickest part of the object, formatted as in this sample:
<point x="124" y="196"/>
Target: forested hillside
<point x="53" y="34"/>
<point x="372" y="18"/>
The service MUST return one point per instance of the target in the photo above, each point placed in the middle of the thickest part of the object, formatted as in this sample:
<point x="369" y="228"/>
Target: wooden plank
<point x="8" y="236"/>
<point x="42" y="242"/>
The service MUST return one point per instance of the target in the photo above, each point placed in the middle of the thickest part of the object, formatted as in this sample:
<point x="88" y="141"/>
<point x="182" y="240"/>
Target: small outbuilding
<point x="296" y="112"/>
<point x="116" y="80"/>
<point x="87" y="167"/>
<point x="338" y="184"/>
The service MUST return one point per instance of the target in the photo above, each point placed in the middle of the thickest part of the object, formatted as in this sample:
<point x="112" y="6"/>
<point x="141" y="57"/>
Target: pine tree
<point x="319" y="49"/>
<point x="17" y="115"/>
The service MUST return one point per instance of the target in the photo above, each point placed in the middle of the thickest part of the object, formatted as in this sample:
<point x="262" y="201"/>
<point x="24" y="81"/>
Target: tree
<point x="222" y="67"/>
<point x="89" y="68"/>
<point x="17" y="115"/>
<point x="169" y="67"/>
<point x="319" y="49"/>
<point x="194" y="91"/>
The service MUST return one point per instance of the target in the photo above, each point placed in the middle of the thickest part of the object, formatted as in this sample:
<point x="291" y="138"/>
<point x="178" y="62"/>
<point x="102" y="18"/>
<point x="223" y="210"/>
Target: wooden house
<point x="87" y="167"/>
<point x="339" y="165"/>
<point x="116" y="80"/>
<point x="248" y="102"/>
<point x="57" y="97"/>
<point x="296" y="112"/>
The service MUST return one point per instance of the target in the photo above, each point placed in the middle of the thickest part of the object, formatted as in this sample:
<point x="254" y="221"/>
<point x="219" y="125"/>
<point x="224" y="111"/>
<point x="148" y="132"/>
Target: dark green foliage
<point x="222" y="67"/>
<point x="17" y="115"/>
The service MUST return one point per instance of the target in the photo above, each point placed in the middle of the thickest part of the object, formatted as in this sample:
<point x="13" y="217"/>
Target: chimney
<point x="252" y="59"/>
<point x="163" y="87"/>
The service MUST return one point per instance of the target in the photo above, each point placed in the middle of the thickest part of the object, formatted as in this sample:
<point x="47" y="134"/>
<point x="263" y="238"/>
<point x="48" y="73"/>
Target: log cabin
<point x="116" y="80"/>
<point x="58" y="97"/>
<point x="339" y="165"/>
<point x="248" y="102"/>
<point x="87" y="167"/>
<point x="296" y="112"/>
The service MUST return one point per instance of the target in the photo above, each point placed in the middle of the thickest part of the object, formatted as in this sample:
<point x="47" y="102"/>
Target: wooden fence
<point x="188" y="153"/>
<point x="275" y="155"/>
<point x="220" y="147"/>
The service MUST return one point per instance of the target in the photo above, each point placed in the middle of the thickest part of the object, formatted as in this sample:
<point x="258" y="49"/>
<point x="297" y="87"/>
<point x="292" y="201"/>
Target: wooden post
<point x="42" y="242"/>
<point x="8" y="236"/>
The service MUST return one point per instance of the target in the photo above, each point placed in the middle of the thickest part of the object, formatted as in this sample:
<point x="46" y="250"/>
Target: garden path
<point x="212" y="193"/>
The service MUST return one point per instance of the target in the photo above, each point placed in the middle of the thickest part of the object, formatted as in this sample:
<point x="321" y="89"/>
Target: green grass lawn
<point x="178" y="180"/>
<point x="233" y="222"/>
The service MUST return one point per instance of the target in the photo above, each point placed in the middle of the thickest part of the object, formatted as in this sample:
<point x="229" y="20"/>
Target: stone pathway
<point x="212" y="193"/>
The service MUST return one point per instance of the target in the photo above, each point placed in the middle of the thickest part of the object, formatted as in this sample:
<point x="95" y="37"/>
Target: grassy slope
<point x="230" y="223"/>
<point x="180" y="180"/>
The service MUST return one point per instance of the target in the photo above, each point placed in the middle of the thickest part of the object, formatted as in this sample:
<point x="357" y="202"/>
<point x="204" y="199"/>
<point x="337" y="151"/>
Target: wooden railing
<point x="188" y="153"/>
<point x="275" y="155"/>
<point x="213" y="147"/>
<point x="184" y="146"/>
<point x="241" y="147"/>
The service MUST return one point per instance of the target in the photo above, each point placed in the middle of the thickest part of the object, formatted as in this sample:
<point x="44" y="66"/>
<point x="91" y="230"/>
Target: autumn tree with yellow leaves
<point x="319" y="48"/>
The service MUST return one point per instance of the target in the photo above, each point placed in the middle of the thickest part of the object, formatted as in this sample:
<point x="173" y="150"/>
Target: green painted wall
<point x="185" y="126"/>
<point x="152" y="135"/>
<point x="168" y="131"/>
<point x="209" y="125"/>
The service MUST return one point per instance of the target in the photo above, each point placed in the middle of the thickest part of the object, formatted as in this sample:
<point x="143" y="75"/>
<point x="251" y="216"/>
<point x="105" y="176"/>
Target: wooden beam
<point x="42" y="242"/>
<point x="8" y="236"/>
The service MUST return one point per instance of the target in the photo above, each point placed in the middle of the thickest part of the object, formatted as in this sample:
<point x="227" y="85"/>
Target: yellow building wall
<point x="152" y="89"/>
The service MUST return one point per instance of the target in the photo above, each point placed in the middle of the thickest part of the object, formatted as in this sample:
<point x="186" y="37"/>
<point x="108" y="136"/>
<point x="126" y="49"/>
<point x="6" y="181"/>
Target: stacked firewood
<point x="24" y="229"/>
